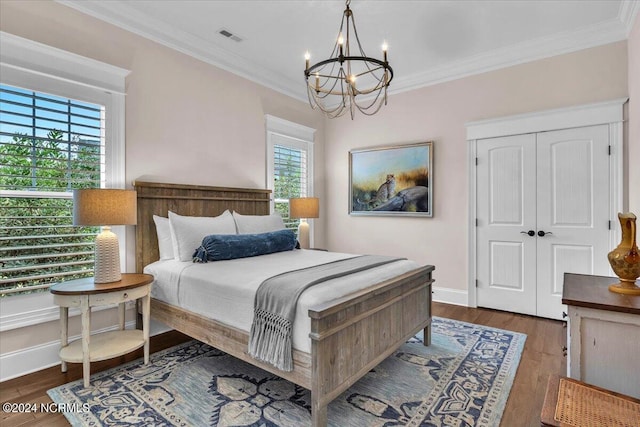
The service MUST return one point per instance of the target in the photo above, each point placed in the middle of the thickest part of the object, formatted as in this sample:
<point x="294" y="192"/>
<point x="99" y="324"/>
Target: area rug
<point x="462" y="379"/>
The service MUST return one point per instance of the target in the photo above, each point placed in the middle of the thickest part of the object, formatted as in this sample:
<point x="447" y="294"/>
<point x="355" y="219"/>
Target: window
<point x="48" y="146"/>
<point x="61" y="127"/>
<point x="289" y="164"/>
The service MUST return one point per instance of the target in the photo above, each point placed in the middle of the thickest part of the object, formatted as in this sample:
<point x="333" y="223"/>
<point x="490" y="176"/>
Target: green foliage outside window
<point x="38" y="243"/>
<point x="288" y="184"/>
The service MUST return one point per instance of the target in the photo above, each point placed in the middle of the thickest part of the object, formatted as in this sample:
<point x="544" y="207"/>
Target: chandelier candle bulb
<point x="385" y="48"/>
<point x="306" y="60"/>
<point x="340" y="43"/>
<point x="317" y="82"/>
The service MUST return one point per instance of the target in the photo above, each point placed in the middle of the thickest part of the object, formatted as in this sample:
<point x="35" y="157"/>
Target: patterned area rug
<point x="462" y="379"/>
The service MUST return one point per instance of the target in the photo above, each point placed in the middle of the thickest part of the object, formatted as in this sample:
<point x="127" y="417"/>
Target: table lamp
<point x="304" y="208"/>
<point x="105" y="207"/>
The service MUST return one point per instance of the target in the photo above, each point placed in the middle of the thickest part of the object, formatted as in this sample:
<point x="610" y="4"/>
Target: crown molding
<point x="629" y="10"/>
<point x="545" y="47"/>
<point x="598" y="113"/>
<point x="18" y="54"/>
<point x="118" y="13"/>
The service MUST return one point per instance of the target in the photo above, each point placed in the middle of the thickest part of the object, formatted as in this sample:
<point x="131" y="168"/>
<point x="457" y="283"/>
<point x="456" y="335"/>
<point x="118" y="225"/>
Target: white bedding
<point x="225" y="290"/>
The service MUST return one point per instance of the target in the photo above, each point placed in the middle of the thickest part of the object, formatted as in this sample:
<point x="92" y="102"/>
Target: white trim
<point x="27" y="56"/>
<point x="32" y="359"/>
<point x="450" y="296"/>
<point x="156" y="327"/>
<point x="616" y="178"/>
<point x="120" y="14"/>
<point x="41" y="68"/>
<point x="302" y="138"/>
<point x="609" y="112"/>
<point x="32" y="311"/>
<point x="629" y="10"/>
<point x="610" y="31"/>
<point x="290" y="129"/>
<point x="560" y="118"/>
<point x="299" y="137"/>
<point x="472" y="241"/>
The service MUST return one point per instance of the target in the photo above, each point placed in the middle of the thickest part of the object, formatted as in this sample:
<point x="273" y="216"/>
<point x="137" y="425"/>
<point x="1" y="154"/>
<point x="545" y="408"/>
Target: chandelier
<point x="348" y="79"/>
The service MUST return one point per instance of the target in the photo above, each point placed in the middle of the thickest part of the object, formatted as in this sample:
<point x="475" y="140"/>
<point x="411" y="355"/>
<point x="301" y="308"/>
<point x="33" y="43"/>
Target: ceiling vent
<point x="228" y="34"/>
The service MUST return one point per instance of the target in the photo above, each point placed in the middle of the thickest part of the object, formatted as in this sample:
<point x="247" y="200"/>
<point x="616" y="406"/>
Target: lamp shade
<point x="304" y="207"/>
<point x="101" y="206"/>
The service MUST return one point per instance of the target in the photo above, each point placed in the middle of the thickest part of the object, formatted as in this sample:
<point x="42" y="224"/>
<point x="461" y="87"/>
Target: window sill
<point x="20" y="311"/>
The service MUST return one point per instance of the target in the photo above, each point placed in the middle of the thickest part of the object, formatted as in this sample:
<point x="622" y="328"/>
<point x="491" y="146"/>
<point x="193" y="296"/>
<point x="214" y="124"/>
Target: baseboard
<point x="32" y="359"/>
<point x="450" y="296"/>
<point x="157" y="328"/>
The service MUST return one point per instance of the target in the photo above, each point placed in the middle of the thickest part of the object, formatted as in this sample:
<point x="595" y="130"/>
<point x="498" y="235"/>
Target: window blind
<point x="48" y="146"/>
<point x="290" y="179"/>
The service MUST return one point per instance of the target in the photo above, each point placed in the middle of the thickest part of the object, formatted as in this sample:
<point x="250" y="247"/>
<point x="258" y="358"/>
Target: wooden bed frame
<point x="349" y="336"/>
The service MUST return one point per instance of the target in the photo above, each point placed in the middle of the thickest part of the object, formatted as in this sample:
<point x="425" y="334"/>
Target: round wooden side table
<point x="84" y="294"/>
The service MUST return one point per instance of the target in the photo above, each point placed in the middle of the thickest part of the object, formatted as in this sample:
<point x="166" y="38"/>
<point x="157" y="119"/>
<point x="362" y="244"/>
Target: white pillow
<point x="163" y="231"/>
<point x="253" y="224"/>
<point x="187" y="232"/>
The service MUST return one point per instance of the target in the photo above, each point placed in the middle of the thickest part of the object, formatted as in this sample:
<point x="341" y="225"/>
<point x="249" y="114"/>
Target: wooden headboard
<point x="196" y="200"/>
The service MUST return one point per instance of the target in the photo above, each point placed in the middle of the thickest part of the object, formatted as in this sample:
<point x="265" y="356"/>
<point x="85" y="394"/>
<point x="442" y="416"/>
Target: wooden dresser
<point x="603" y="334"/>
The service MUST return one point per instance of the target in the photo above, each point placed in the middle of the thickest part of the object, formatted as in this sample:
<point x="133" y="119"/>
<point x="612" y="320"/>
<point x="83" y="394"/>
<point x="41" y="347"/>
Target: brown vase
<point x="625" y="259"/>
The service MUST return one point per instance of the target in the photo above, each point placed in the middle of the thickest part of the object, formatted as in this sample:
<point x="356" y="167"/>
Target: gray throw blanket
<point x="270" y="339"/>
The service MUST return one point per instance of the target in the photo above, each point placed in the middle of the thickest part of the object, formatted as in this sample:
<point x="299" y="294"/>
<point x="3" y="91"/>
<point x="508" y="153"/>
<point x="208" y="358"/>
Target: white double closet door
<point x="543" y="210"/>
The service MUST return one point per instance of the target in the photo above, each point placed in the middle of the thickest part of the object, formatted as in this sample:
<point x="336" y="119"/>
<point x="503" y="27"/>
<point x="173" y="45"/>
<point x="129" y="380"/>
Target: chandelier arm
<point x="362" y="50"/>
<point x="364" y="73"/>
<point x="365" y="59"/>
<point x="331" y="91"/>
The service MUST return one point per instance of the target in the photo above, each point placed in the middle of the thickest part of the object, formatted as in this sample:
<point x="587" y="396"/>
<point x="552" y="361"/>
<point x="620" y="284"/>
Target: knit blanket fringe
<point x="270" y="338"/>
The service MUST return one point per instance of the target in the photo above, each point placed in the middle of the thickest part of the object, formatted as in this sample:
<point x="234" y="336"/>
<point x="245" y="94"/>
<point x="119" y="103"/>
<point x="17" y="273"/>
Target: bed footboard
<point x="352" y="335"/>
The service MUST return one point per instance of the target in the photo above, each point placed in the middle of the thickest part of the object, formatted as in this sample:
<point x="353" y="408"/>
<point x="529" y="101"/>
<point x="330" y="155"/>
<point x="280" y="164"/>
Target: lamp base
<point x="625" y="287"/>
<point x="303" y="234"/>
<point x="107" y="258"/>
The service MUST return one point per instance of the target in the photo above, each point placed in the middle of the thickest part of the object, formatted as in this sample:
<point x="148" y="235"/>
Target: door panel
<point x="571" y="164"/>
<point x="506" y="265"/>
<point x="572" y="210"/>
<point x="506" y="207"/>
<point x="555" y="184"/>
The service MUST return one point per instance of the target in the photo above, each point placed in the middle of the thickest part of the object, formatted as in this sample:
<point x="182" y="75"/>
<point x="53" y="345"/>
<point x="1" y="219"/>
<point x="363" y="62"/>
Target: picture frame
<point x="392" y="180"/>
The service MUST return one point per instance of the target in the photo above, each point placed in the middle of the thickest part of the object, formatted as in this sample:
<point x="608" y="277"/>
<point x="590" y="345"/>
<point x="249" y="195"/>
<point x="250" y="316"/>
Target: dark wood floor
<point x="542" y="356"/>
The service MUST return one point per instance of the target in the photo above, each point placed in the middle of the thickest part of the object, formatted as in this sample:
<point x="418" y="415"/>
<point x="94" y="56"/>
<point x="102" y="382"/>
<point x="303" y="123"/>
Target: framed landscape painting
<point x="393" y="180"/>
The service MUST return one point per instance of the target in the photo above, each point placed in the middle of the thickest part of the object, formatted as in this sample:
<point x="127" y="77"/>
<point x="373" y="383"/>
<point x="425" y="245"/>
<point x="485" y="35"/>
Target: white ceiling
<point x="429" y="41"/>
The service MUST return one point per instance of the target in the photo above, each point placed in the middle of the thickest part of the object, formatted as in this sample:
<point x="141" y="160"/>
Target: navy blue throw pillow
<point x="218" y="247"/>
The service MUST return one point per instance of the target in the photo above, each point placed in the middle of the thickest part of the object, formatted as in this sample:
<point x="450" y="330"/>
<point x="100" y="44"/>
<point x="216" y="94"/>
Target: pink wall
<point x="191" y="122"/>
<point x="439" y="113"/>
<point x="186" y="121"/>
<point x="633" y="163"/>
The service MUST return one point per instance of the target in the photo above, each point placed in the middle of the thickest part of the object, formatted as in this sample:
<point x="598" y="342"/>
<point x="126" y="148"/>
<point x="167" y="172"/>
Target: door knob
<point x="542" y="233"/>
<point x="530" y="233"/>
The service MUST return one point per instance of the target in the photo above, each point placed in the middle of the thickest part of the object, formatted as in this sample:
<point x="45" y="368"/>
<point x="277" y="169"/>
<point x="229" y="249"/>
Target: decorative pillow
<point x="163" y="231"/>
<point x="187" y="232"/>
<point x="254" y="224"/>
<point x="223" y="247"/>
